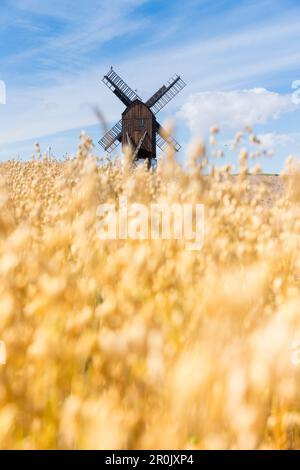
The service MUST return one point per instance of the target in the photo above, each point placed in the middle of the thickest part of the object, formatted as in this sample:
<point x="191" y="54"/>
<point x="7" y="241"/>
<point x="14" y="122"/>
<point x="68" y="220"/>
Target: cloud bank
<point x="233" y="110"/>
<point x="273" y="140"/>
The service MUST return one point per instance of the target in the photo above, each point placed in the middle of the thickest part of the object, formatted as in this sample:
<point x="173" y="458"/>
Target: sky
<point x="239" y="59"/>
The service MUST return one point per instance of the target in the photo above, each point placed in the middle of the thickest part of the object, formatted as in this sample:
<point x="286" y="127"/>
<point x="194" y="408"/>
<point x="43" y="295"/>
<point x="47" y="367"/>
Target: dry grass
<point x="142" y="344"/>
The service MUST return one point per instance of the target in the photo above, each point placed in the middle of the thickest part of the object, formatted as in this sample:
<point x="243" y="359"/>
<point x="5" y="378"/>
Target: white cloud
<point x="233" y="109"/>
<point x="273" y="140"/>
<point x="2" y="92"/>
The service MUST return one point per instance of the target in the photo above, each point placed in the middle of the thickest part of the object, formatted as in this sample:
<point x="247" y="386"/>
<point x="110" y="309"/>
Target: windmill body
<point x="139" y="128"/>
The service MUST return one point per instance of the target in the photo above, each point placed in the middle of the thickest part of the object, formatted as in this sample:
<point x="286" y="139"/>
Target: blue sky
<point x="239" y="59"/>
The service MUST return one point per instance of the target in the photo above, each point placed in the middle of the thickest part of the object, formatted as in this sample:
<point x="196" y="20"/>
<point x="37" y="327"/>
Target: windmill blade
<point x="120" y="88"/>
<point x="162" y="142"/>
<point x="165" y="94"/>
<point x="112" y="138"/>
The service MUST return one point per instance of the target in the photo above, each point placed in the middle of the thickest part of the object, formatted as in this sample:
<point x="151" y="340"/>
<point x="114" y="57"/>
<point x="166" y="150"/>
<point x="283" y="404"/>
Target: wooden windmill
<point x="138" y="127"/>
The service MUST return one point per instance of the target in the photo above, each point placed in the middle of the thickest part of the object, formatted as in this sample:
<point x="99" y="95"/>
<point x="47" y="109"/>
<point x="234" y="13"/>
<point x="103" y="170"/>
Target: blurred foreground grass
<point x="142" y="344"/>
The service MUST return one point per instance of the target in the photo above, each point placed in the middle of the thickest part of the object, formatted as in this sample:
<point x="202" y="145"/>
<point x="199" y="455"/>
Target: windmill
<point x="138" y="127"/>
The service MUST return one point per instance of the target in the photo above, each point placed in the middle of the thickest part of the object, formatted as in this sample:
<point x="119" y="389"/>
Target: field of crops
<point x="127" y="344"/>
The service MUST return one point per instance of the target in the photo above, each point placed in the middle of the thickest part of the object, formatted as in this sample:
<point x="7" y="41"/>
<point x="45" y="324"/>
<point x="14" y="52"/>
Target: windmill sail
<point x="112" y="138"/>
<point x="163" y="144"/>
<point x="165" y="94"/>
<point x="120" y="88"/>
